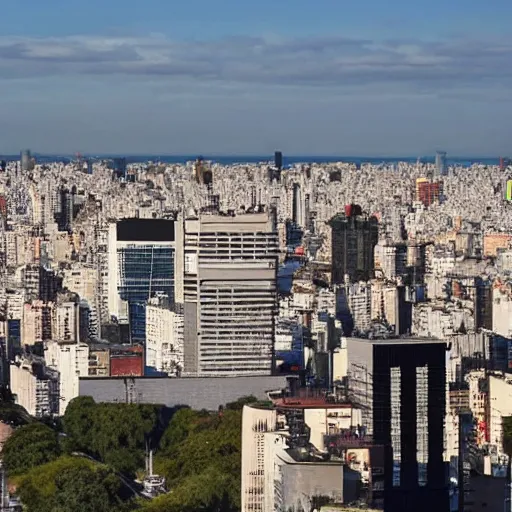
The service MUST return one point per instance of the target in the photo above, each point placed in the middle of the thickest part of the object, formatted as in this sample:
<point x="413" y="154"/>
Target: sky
<point x="236" y="77"/>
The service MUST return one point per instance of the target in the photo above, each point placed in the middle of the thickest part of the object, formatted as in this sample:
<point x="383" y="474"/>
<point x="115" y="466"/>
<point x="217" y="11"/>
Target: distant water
<point x="287" y="160"/>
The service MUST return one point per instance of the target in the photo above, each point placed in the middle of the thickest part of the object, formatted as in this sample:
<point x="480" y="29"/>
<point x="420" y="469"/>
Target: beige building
<point x="37" y="321"/>
<point x="495" y="241"/>
<point x="82" y="280"/>
<point x="500" y="406"/>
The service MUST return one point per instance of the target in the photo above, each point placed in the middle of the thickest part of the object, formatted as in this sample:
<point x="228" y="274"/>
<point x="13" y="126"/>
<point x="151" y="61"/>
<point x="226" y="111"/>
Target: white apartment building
<point x="230" y="294"/>
<point x="164" y="336"/>
<point x="35" y="386"/>
<point x="270" y="472"/>
<point x="500" y="406"/>
<point x="502" y="309"/>
<point x="65" y="322"/>
<point x="71" y="360"/>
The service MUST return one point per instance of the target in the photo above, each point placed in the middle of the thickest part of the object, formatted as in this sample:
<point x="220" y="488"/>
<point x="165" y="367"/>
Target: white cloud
<point x="333" y="61"/>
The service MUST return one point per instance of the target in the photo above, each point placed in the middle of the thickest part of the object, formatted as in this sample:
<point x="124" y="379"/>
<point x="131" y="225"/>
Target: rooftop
<point x="398" y="341"/>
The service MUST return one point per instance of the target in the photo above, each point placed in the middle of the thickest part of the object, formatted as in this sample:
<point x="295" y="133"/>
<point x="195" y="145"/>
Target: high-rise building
<point x="141" y="263"/>
<point x="400" y="384"/>
<point x="278" y="160"/>
<point x="164" y="335"/>
<point x="428" y="192"/>
<point x="354" y="237"/>
<point x="26" y="160"/>
<point x="441" y="166"/>
<point x="119" y="167"/>
<point x="230" y="297"/>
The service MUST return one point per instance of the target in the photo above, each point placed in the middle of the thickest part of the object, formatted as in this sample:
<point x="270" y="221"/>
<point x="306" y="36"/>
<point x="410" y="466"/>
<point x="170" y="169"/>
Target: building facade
<point x="354" y="237"/>
<point x="141" y="263"/>
<point x="400" y="385"/>
<point x="230" y="294"/>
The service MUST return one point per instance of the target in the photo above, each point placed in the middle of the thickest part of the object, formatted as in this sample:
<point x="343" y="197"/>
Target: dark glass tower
<point x="278" y="160"/>
<point x="401" y="387"/>
<point x="145" y="255"/>
<point x="354" y="237"/>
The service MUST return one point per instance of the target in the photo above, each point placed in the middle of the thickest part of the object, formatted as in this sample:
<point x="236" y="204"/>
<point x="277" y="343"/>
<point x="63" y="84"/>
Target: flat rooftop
<point x="309" y="403"/>
<point x="397" y="341"/>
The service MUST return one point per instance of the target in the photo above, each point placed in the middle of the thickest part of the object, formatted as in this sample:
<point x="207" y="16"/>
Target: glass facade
<point x="143" y="271"/>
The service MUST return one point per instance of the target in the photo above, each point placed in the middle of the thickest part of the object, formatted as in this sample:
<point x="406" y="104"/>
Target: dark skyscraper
<point x="400" y="386"/>
<point x="354" y="237"/>
<point x="278" y="160"/>
<point x="119" y="167"/>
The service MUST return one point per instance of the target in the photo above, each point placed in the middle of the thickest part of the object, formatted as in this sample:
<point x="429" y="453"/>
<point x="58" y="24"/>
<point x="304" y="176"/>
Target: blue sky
<point x="238" y="77"/>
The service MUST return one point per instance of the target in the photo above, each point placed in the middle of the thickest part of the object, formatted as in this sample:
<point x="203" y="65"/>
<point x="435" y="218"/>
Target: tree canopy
<point x="198" y="452"/>
<point x="113" y="433"/>
<point x="71" y="484"/>
<point x="200" y="456"/>
<point x="30" y="446"/>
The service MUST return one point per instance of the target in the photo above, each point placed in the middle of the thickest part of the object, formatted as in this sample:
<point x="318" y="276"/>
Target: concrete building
<point x="230" y="294"/>
<point x="354" y="237"/>
<point x="66" y="319"/>
<point x="37" y="322"/>
<point x="164" y="335"/>
<point x="282" y="466"/>
<point x="502" y="308"/>
<point x="71" y="360"/>
<point x="500" y="406"/>
<point x="35" y="386"/>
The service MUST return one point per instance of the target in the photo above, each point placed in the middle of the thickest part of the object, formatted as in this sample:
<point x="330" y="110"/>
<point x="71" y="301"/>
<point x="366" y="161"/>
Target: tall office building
<point x="354" y="237"/>
<point x="141" y="263"/>
<point x="400" y="385"/>
<point x="229" y="294"/>
<point x="119" y="167"/>
<point x="26" y="160"/>
<point x="278" y="160"/>
<point x="441" y="166"/>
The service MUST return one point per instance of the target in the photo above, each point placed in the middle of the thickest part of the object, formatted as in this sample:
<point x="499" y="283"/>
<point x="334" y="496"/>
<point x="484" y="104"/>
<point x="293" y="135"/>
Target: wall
<point x="318" y="420"/>
<point x="197" y="393"/>
<point x="302" y="482"/>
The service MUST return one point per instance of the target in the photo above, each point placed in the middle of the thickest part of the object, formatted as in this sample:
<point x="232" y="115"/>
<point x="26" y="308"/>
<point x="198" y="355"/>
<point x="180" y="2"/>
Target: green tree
<point x="78" y="423"/>
<point x="72" y="484"/>
<point x="507" y="434"/>
<point x="181" y="425"/>
<point x="200" y="458"/>
<point x="113" y="433"/>
<point x="30" y="446"/>
<point x="86" y="490"/>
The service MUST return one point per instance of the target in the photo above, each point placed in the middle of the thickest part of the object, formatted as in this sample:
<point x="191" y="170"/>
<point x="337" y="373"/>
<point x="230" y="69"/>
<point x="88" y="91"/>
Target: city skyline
<point x="311" y="79"/>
